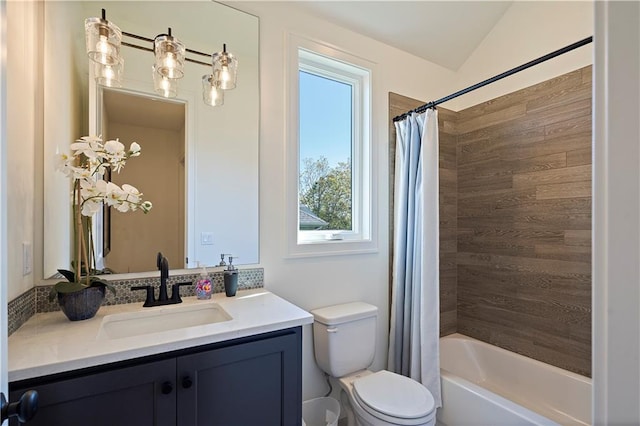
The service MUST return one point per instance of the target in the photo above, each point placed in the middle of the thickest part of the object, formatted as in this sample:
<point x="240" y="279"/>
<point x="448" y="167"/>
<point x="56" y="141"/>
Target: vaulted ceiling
<point x="443" y="32"/>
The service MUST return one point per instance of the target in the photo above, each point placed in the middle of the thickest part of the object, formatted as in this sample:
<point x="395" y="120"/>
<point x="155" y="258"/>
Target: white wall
<point x="62" y="94"/>
<point x="23" y="125"/>
<point x="527" y="30"/>
<point x="315" y="282"/>
<point x="616" y="215"/>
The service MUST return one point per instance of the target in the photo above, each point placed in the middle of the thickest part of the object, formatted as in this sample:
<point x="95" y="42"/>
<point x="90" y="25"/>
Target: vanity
<point x="225" y="361"/>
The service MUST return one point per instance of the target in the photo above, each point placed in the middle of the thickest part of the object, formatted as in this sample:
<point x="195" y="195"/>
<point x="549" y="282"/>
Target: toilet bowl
<point x="385" y="398"/>
<point x="344" y="345"/>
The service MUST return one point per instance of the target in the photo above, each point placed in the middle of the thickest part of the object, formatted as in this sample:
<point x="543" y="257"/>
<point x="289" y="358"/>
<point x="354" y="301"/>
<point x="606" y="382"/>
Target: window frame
<point x="329" y="62"/>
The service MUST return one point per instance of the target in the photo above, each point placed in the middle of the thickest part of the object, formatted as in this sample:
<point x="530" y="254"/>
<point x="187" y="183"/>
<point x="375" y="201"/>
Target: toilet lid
<point x="393" y="395"/>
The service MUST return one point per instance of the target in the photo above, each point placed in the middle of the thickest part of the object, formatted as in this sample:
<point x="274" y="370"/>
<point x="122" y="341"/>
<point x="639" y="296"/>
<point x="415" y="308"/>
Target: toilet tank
<point x="344" y="337"/>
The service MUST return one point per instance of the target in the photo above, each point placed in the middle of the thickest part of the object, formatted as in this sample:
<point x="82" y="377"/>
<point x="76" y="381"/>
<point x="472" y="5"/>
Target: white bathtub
<point x="485" y="385"/>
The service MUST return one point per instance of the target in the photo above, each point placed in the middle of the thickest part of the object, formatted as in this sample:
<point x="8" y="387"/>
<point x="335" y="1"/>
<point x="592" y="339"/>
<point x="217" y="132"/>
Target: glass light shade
<point x="167" y="87"/>
<point x="211" y="94"/>
<point x="109" y="75"/>
<point x="170" y="54"/>
<point x="225" y="69"/>
<point x="103" y="39"/>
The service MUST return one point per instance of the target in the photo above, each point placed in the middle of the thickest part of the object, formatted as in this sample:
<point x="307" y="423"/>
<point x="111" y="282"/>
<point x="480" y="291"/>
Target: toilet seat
<point x="394" y="398"/>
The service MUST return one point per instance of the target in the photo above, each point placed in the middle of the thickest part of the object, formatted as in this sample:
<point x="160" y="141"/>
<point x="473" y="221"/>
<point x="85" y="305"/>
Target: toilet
<point x="344" y="343"/>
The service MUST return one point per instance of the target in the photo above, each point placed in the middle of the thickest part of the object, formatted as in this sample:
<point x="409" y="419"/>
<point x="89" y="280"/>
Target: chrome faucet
<point x="163" y="298"/>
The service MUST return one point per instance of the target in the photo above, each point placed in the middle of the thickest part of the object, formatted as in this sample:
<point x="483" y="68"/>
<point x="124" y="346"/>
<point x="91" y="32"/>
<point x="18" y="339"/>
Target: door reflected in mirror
<point x="158" y="126"/>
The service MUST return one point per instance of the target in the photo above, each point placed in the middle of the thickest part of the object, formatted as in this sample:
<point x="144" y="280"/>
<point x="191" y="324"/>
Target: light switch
<point x="206" y="238"/>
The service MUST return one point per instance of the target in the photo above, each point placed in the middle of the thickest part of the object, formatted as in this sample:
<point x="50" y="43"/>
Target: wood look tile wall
<point x="515" y="219"/>
<point x="448" y="214"/>
<point x="524" y="221"/>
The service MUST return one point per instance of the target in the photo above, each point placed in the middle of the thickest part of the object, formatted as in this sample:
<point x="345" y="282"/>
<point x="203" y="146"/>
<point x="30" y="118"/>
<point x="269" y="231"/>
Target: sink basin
<point x="157" y="319"/>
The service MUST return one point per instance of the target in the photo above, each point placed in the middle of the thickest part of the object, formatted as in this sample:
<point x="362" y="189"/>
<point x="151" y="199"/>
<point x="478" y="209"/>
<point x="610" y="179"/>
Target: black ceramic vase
<point x="83" y="304"/>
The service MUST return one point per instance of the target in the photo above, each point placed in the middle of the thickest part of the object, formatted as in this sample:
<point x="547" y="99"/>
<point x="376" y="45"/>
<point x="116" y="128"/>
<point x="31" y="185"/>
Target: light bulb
<point x="211" y="93"/>
<point x="169" y="65"/>
<point x="224" y="75"/>
<point x="167" y="87"/>
<point x="108" y="73"/>
<point x="225" y="68"/>
<point x="102" y="39"/>
<point x="103" y="45"/>
<point x="169" y="53"/>
<point x="169" y="61"/>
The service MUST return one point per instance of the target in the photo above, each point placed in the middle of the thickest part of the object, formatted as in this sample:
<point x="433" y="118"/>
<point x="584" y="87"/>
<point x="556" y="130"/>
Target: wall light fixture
<point x="104" y="38"/>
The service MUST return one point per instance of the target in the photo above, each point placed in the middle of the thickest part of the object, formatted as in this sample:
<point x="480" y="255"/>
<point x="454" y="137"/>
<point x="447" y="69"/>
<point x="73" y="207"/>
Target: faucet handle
<point x="175" y="292"/>
<point x="222" y="262"/>
<point x="150" y="300"/>
<point x="231" y="266"/>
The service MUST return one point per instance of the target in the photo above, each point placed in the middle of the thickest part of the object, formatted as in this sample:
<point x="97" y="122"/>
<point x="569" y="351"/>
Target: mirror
<point x="198" y="164"/>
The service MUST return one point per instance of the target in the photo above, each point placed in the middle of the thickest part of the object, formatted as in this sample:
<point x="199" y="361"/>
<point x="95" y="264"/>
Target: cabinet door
<point x="131" y="396"/>
<point x="252" y="383"/>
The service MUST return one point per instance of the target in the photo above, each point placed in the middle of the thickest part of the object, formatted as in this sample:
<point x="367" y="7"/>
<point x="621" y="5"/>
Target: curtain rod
<point x="522" y="67"/>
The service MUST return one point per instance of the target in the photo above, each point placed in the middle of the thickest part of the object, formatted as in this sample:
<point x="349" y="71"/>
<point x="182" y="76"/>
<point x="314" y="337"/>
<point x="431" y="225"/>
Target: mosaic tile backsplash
<point x="21" y="309"/>
<point x="36" y="300"/>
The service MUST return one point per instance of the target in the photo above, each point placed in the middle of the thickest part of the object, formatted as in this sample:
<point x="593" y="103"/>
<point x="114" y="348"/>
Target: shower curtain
<point x="415" y="304"/>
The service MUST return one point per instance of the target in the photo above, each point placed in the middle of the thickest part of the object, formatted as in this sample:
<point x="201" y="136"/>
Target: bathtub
<point x="485" y="385"/>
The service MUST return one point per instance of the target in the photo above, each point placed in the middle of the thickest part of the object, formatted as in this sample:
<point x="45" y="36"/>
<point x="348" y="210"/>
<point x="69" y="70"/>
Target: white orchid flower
<point x="101" y="185"/>
<point x="80" y="173"/>
<point x="134" y="149"/>
<point x="91" y="140"/>
<point x="131" y="194"/>
<point x="117" y="164"/>
<point x="64" y="164"/>
<point x="91" y="207"/>
<point x="84" y="148"/>
<point x="114" y="148"/>
<point x="114" y="194"/>
<point x="123" y="207"/>
<point x="89" y="190"/>
<point x="86" y="165"/>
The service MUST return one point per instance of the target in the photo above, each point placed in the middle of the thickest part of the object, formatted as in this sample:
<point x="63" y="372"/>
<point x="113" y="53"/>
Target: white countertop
<point x="49" y="343"/>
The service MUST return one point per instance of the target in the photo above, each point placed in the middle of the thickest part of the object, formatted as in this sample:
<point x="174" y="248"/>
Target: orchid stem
<point x="77" y="271"/>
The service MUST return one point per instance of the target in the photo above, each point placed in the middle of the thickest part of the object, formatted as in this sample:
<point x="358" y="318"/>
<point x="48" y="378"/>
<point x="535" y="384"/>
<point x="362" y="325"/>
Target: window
<point x="330" y="151"/>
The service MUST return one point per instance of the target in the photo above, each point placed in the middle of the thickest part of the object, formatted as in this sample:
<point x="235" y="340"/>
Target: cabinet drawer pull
<point x="187" y="382"/>
<point x="167" y="388"/>
<point x="332" y="329"/>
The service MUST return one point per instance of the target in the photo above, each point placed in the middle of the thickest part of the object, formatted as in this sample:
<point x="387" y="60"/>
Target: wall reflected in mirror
<point x="199" y="164"/>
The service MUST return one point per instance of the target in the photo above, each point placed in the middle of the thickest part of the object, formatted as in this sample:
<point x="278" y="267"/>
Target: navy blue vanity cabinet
<point x="254" y="380"/>
<point x="255" y="383"/>
<point x="142" y="395"/>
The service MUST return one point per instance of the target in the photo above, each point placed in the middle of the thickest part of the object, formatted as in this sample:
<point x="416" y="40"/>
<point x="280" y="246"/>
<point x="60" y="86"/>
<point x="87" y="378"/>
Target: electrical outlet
<point x="206" y="238"/>
<point x="27" y="259"/>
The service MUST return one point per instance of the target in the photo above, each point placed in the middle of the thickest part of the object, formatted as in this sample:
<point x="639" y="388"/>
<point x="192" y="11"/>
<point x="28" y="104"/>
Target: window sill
<point x="331" y="248"/>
